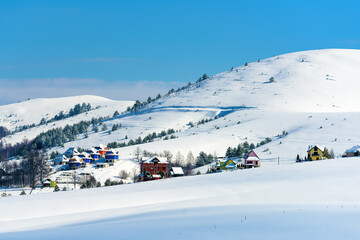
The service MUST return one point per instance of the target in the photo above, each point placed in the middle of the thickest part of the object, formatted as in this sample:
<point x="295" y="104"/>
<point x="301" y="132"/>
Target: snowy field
<point x="313" y="200"/>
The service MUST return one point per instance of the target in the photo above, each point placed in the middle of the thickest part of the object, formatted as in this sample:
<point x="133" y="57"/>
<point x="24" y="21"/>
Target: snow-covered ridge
<point x="309" y="81"/>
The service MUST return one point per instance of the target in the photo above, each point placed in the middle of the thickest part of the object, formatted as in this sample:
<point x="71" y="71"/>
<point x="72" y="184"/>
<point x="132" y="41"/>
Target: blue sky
<point x="133" y="49"/>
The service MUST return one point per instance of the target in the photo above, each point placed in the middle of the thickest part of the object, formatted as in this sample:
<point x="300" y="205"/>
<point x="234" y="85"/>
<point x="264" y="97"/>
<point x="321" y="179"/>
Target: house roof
<point x="252" y="156"/>
<point x="60" y="158"/>
<point x="111" y="152"/>
<point x="354" y="149"/>
<point x="92" y="151"/>
<point x="228" y="162"/>
<point x="321" y="148"/>
<point x="177" y="171"/>
<point x="151" y="160"/>
<point x="75" y="159"/>
<point x="84" y="155"/>
<point x="252" y="159"/>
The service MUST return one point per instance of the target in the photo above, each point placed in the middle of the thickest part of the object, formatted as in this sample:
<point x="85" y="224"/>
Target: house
<point x="176" y="172"/>
<point x="71" y="152"/>
<point x="102" y="165"/>
<point x="87" y="159"/>
<point x="48" y="183"/>
<point x="111" y="157"/>
<point x="101" y="149"/>
<point x="251" y="160"/>
<point x="228" y="164"/>
<point x="60" y="160"/>
<point x="93" y="154"/>
<point x="353" y="152"/>
<point x="75" y="163"/>
<point x="315" y="152"/>
<point x="153" y="168"/>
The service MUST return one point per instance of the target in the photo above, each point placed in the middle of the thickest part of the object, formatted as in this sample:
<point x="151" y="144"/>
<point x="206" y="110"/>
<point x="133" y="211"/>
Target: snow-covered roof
<point x="112" y="152"/>
<point x="92" y="151"/>
<point x="71" y="151"/>
<point x="251" y="156"/>
<point x="319" y="147"/>
<point x="75" y="159"/>
<point x="151" y="160"/>
<point x="252" y="159"/>
<point x="60" y="158"/>
<point x="354" y="149"/>
<point x="84" y="155"/>
<point x="177" y="171"/>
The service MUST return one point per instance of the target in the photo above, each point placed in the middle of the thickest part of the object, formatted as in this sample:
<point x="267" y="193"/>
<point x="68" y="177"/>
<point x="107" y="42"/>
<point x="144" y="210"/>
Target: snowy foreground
<point x="313" y="200"/>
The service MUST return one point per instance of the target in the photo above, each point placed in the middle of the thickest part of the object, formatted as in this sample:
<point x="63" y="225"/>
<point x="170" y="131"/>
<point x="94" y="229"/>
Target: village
<point x="77" y="168"/>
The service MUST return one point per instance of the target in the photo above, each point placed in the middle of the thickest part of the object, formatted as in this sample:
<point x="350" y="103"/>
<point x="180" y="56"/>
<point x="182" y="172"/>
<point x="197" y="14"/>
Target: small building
<point x="228" y="164"/>
<point x="111" y="157"/>
<point x="48" y="183"/>
<point x="93" y="154"/>
<point x="251" y="160"/>
<point x="152" y="167"/>
<point x="315" y="152"/>
<point x="71" y="152"/>
<point x="102" y="165"/>
<point x="101" y="149"/>
<point x="176" y="172"/>
<point x="60" y="160"/>
<point x="75" y="163"/>
<point x="87" y="159"/>
<point x="353" y="152"/>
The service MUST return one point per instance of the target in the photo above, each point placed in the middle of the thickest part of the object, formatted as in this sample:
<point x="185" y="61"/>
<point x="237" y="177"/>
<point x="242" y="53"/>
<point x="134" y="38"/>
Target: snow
<point x="294" y="201"/>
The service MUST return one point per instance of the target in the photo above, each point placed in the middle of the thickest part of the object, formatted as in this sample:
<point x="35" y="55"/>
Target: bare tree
<point x="168" y="155"/>
<point x="123" y="174"/>
<point x="190" y="163"/>
<point x="135" y="174"/>
<point x="137" y="153"/>
<point x="179" y="159"/>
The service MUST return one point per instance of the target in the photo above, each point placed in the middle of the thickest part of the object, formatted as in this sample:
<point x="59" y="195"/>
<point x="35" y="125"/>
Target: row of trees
<point x="30" y="171"/>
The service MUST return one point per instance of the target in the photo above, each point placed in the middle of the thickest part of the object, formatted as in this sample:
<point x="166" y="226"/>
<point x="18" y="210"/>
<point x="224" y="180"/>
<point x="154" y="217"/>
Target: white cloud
<point x="18" y="90"/>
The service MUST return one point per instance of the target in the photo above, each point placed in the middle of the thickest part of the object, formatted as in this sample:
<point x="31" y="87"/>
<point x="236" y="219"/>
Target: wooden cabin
<point x="315" y="152"/>
<point x="251" y="160"/>
<point x="153" y="167"/>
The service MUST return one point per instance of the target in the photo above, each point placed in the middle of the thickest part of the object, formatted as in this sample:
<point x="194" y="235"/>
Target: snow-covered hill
<point x="312" y="95"/>
<point x="32" y="111"/>
<point x="298" y="201"/>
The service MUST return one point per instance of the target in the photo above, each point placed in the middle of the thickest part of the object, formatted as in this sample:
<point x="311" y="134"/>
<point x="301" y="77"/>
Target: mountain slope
<point x="313" y="97"/>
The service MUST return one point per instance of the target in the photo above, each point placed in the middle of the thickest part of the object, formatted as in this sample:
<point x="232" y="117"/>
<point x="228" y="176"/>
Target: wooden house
<point x="315" y="152"/>
<point x="153" y="168"/>
<point x="251" y="160"/>
<point x="176" y="172"/>
<point x="228" y="164"/>
<point x="75" y="163"/>
<point x="353" y="152"/>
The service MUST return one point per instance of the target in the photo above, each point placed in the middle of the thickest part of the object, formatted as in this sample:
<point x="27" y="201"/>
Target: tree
<point x="116" y="113"/>
<point x="104" y="127"/>
<point x="168" y="155"/>
<point x="205" y="76"/>
<point x="190" y="162"/>
<point x="179" y="159"/>
<point x="137" y="153"/>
